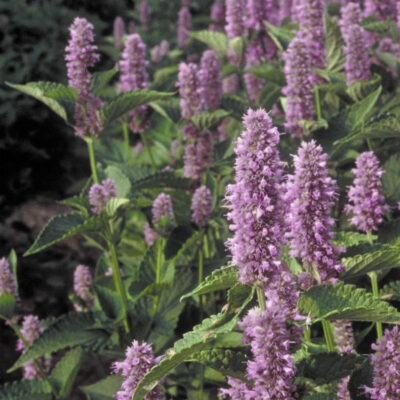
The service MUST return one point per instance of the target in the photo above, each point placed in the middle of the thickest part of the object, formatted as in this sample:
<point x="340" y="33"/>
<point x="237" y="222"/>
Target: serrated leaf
<point x="7" y="305"/>
<point x="161" y="179"/>
<point x="217" y="41"/>
<point x="104" y="389"/>
<point x="176" y="240"/>
<point x="26" y="389"/>
<point x="187" y="245"/>
<point x="70" y="330"/>
<point x="100" y="79"/>
<point x="281" y="36"/>
<point x="344" y="301"/>
<point x="169" y="109"/>
<point x="61" y="227"/>
<point x="110" y="302"/>
<point x="391" y="178"/>
<point x="79" y="203"/>
<point x="121" y="181"/>
<point x="386" y="28"/>
<point x="390" y="291"/>
<point x="114" y="205"/>
<point x="238" y="45"/>
<point x="234" y="104"/>
<point x="376" y="261"/>
<point x="64" y="373"/>
<point x="209" y="120"/>
<point x="268" y="72"/>
<point x="221" y="279"/>
<point x="349" y="239"/>
<point x="360" y="89"/>
<point x="161" y="74"/>
<point x="361" y="378"/>
<point x="335" y="56"/>
<point x="127" y="101"/>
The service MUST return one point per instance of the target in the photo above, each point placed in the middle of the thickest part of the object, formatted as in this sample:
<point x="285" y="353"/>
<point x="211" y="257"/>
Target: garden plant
<point x="244" y="197"/>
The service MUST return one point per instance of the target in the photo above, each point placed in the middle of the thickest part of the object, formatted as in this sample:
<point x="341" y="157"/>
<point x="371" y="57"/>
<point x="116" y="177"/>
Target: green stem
<point x="318" y="103"/>
<point x="119" y="286"/>
<point x="149" y="152"/>
<point x="261" y="298"/>
<point x="328" y="335"/>
<point x="43" y="375"/>
<point x="92" y="159"/>
<point x="375" y="291"/>
<point x="160" y="249"/>
<point x="126" y="141"/>
<point x="307" y="334"/>
<point x="206" y="247"/>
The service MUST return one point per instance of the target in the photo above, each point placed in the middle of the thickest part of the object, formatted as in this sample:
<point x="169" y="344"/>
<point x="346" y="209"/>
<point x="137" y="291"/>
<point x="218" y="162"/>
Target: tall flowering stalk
<point x="118" y="32"/>
<point x="260" y="11"/>
<point x="99" y="194"/>
<point x="312" y="194"/>
<point x="254" y="85"/>
<point x="139" y="359"/>
<point x="144" y="14"/>
<point x="217" y="15"/>
<point x="82" y="282"/>
<point x="162" y="207"/>
<point x="356" y="47"/>
<point x="210" y="80"/>
<point x="184" y="25"/>
<point x="201" y="205"/>
<point x="7" y="280"/>
<point x="150" y="235"/>
<point x="382" y="8"/>
<point x="188" y="84"/>
<point x="235" y="18"/>
<point x="299" y="89"/>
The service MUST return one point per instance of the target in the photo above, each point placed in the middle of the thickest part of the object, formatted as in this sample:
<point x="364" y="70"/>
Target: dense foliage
<point x="244" y="196"/>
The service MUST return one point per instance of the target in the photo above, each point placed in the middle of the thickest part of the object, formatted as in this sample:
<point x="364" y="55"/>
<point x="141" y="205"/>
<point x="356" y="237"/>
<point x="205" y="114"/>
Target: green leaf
<point x="349" y="239"/>
<point x="161" y="179"/>
<point x="335" y="57"/>
<point x="25" y="389"/>
<point x="269" y="72"/>
<point x="7" y="305"/>
<point x="281" y="36"/>
<point x="391" y="178"/>
<point x="215" y="40"/>
<point x="344" y="301"/>
<point x="169" y="109"/>
<point x="110" y="302"/>
<point x="78" y="203"/>
<point x="209" y="120"/>
<point x="13" y="262"/>
<point x="235" y="105"/>
<point x="187" y="245"/>
<point x="386" y="28"/>
<point x="320" y="396"/>
<point x="390" y="291"/>
<point x="360" y="378"/>
<point x="238" y="44"/>
<point x="104" y="389"/>
<point x="223" y="278"/>
<point x="100" y="79"/>
<point x="376" y="261"/>
<point x="114" y="205"/>
<point x="360" y="89"/>
<point x="64" y="373"/>
<point x="70" y="330"/>
<point x="61" y="227"/>
<point x="176" y="240"/>
<point x="161" y="74"/>
<point x="127" y="101"/>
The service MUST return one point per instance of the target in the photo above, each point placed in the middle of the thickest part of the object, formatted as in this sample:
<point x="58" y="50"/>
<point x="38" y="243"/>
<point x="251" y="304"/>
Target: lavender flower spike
<point x="260" y="11"/>
<point x="299" y="89"/>
<point x="382" y="8"/>
<point x="184" y="25"/>
<point x="210" y="80"/>
<point x="162" y="207"/>
<point x="367" y="203"/>
<point x="201" y="206"/>
<point x="99" y="194"/>
<point x="217" y="15"/>
<point x="235" y="18"/>
<point x="386" y="363"/>
<point x="188" y="83"/>
<point x="119" y="32"/>
<point x="144" y="15"/>
<point x="80" y="56"/>
<point x="255" y="202"/>
<point x="7" y="280"/>
<point x="82" y="281"/>
<point x="139" y="360"/>
<point x="191" y="167"/>
<point x="356" y="47"/>
<point x="312" y="194"/>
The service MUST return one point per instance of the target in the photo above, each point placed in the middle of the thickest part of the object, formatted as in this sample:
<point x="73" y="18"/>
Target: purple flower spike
<point x="150" y="235"/>
<point x="162" y="207"/>
<point x="188" y="83"/>
<point x="311" y="18"/>
<point x="254" y="85"/>
<point x="110" y="188"/>
<point x="201" y="206"/>
<point x="344" y="336"/>
<point x="235" y="18"/>
<point x="190" y="132"/>
<point x="81" y="54"/>
<point x="82" y="281"/>
<point x="184" y="25"/>
<point x="145" y="15"/>
<point x="386" y="363"/>
<point x="260" y="11"/>
<point x="255" y="202"/>
<point x="367" y="203"/>
<point x="139" y="359"/>
<point x="7" y="280"/>
<point x="205" y="150"/>
<point x="100" y="194"/>
<point x="231" y="83"/>
<point x="382" y="8"/>
<point x="210" y="80"/>
<point x="356" y="47"/>
<point x="119" y="32"/>
<point x="312" y="194"/>
<point x="299" y="89"/>
<point x="217" y="15"/>
<point x="190" y="162"/>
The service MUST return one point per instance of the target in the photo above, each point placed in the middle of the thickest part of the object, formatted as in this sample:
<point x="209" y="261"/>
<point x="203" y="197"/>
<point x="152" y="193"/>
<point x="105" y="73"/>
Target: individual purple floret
<point x="386" y="363"/>
<point x="99" y="194"/>
<point x="82" y="282"/>
<point x="311" y="18"/>
<point x="7" y="280"/>
<point x="367" y="203"/>
<point x="188" y="83"/>
<point x="217" y="15"/>
<point x="162" y="207"/>
<point x="134" y="75"/>
<point x="201" y="206"/>
<point x="260" y="11"/>
<point x="119" y="32"/>
<point x="139" y="359"/>
<point x="382" y="8"/>
<point x="184" y="25"/>
<point x="81" y="54"/>
<point x="299" y="89"/>
<point x="356" y="47"/>
<point x="145" y="15"/>
<point x="235" y="18"/>
<point x="150" y="235"/>
<point x="210" y="80"/>
<point x="312" y="194"/>
<point x="255" y="202"/>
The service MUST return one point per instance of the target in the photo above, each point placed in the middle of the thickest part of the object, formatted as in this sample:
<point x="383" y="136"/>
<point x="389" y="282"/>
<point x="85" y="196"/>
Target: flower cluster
<point x="188" y="83"/>
<point x="254" y="85"/>
<point x="118" y="32"/>
<point x="355" y="48"/>
<point x="235" y="18"/>
<point x="299" y="89"/>
<point x="82" y="281"/>
<point x="217" y="15"/>
<point x="201" y="205"/>
<point x="162" y="207"/>
<point x="210" y="80"/>
<point x="367" y="203"/>
<point x="7" y="280"/>
<point x="184" y="25"/>
<point x="139" y="359"/>
<point x="81" y="54"/>
<point x="197" y="158"/>
<point x="382" y="8"/>
<point x="159" y="51"/>
<point x="260" y="11"/>
<point x="311" y="194"/>
<point x="255" y="201"/>
<point x="99" y="194"/>
<point x="144" y="15"/>
<point x="386" y="363"/>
